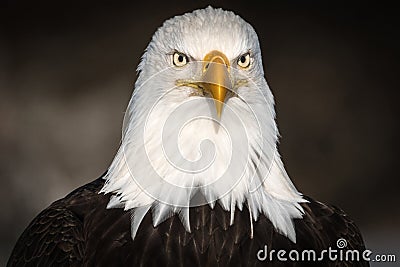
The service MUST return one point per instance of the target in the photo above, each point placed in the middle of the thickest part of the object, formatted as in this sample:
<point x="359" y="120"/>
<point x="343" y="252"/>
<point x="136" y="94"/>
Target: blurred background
<point x="67" y="72"/>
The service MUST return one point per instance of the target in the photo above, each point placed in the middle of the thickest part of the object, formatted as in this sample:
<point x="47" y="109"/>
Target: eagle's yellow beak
<point x="215" y="78"/>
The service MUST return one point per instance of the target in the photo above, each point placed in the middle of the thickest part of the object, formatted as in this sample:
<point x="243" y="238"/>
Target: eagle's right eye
<point x="179" y="59"/>
<point x="244" y="61"/>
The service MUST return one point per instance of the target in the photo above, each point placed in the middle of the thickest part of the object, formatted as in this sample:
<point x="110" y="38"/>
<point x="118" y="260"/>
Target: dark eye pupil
<point x="180" y="58"/>
<point x="243" y="59"/>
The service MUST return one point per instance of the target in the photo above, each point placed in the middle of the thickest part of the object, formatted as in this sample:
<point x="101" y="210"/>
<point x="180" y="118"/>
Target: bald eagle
<point x="198" y="179"/>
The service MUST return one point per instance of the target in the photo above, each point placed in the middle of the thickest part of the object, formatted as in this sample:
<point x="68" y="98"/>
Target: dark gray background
<point x="67" y="73"/>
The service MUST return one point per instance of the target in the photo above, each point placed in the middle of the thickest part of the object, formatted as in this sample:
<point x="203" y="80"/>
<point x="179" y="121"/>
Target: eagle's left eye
<point x="244" y="61"/>
<point x="179" y="59"/>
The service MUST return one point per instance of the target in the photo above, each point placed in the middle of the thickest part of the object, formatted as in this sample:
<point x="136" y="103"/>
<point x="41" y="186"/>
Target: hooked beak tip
<point x="219" y="105"/>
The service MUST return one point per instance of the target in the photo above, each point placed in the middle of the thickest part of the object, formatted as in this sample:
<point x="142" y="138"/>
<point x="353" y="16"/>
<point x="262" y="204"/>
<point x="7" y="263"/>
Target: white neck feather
<point x="165" y="158"/>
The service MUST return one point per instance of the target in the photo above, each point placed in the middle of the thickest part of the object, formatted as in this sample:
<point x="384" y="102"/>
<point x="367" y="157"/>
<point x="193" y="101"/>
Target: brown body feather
<point x="78" y="230"/>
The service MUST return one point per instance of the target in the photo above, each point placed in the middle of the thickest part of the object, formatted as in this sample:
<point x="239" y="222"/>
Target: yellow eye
<point x="244" y="61"/>
<point x="179" y="59"/>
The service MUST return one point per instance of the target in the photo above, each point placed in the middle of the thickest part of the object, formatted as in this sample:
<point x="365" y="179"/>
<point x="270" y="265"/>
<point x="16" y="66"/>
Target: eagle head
<point x="200" y="127"/>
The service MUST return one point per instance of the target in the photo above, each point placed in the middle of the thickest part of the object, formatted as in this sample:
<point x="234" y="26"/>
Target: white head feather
<point x="172" y="146"/>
